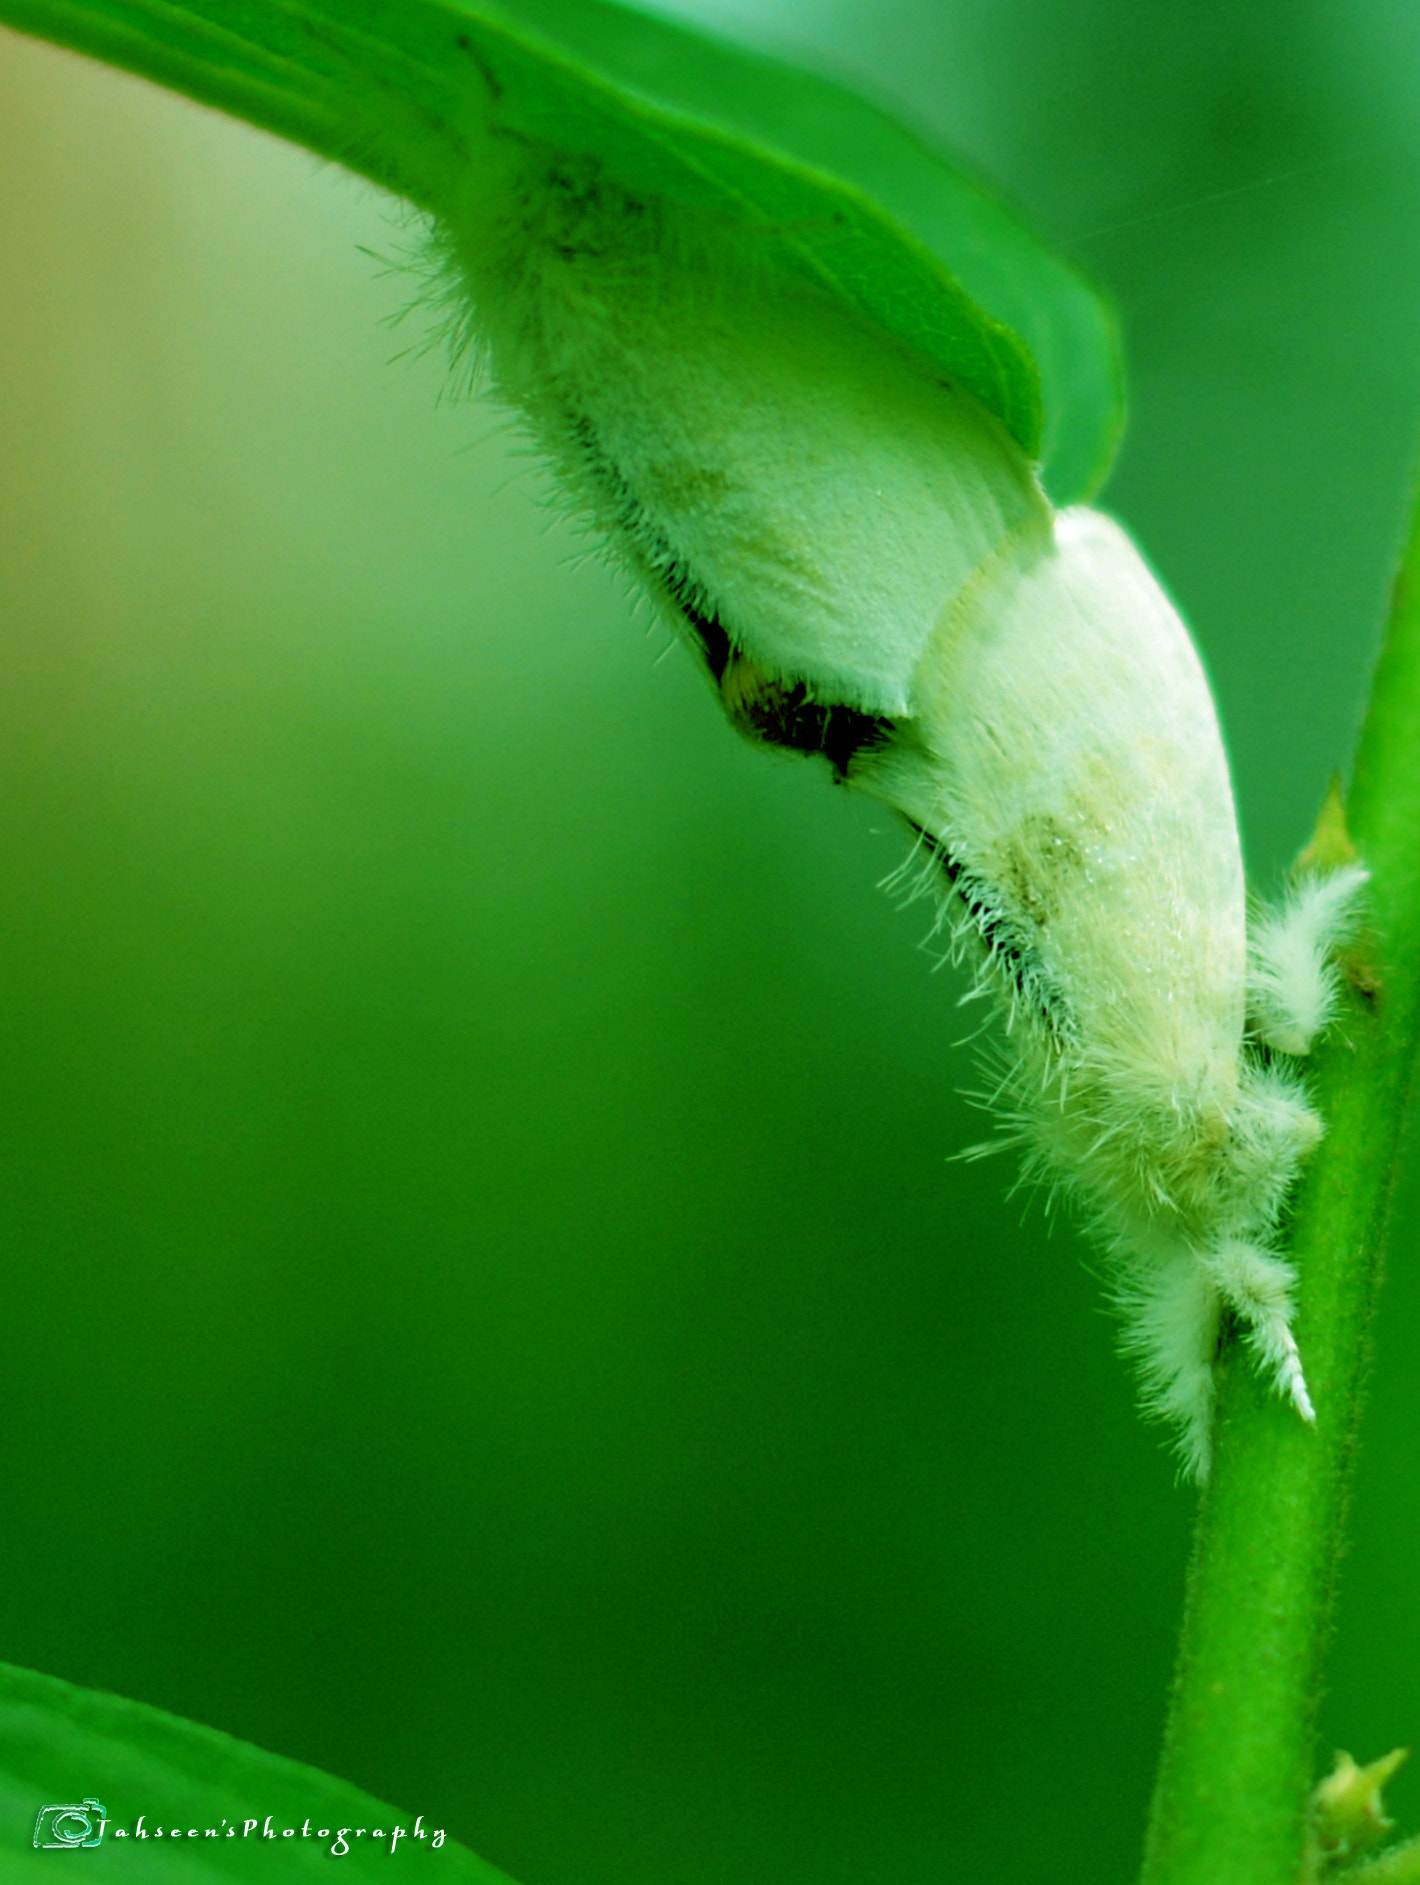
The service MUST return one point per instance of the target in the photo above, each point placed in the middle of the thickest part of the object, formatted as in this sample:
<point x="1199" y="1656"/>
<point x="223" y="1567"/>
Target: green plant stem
<point x="1230" y="1802"/>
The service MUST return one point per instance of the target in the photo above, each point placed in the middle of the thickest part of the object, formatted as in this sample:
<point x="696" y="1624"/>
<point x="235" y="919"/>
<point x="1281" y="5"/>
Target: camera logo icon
<point x="59" y="1826"/>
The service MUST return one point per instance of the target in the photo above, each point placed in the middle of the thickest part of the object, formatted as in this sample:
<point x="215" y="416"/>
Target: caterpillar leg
<point x="1257" y="1287"/>
<point x="1292" y="979"/>
<point x="1172" y="1310"/>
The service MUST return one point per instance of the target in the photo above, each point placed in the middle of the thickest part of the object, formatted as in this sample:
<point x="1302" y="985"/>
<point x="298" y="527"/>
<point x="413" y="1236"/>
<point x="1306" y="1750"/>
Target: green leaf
<point x="844" y="193"/>
<point x="61" y="1745"/>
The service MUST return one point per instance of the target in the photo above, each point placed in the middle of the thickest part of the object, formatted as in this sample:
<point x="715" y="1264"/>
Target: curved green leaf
<point x="845" y="194"/>
<point x="153" y="1773"/>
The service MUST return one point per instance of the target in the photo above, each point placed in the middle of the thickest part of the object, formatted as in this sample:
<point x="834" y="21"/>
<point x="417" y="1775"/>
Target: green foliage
<point x="845" y="194"/>
<point x="60" y="1744"/>
<point x="386" y="97"/>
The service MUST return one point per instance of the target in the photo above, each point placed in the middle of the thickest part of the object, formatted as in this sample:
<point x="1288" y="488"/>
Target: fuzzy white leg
<point x="1171" y="1312"/>
<point x="1258" y="1287"/>
<point x="1292" y="980"/>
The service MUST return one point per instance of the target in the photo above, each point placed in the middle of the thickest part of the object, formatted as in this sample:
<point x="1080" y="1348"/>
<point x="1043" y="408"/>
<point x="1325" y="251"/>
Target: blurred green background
<point x="487" y="1308"/>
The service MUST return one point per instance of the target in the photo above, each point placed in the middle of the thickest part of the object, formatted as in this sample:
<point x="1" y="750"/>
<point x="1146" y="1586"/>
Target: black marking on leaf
<point x="789" y="716"/>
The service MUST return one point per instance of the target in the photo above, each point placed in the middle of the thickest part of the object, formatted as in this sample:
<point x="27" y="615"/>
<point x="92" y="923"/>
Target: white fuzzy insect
<point x="1067" y="775"/>
<point x="870" y="570"/>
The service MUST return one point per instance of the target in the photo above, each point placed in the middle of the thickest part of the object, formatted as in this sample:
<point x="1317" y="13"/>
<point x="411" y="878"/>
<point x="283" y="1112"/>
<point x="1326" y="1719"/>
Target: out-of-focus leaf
<point x="62" y="1746"/>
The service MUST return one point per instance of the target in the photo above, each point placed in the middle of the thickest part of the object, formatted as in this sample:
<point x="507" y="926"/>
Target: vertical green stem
<point x="1230" y="1802"/>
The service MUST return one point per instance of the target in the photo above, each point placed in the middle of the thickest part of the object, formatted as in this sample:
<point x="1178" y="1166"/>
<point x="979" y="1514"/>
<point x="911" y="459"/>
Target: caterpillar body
<point x="868" y="569"/>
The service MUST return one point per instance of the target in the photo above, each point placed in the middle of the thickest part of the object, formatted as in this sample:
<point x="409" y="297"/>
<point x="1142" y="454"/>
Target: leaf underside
<point x="843" y="193"/>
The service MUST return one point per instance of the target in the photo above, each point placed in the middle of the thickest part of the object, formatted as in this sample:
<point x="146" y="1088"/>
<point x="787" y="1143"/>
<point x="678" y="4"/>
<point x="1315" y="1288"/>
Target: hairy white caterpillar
<point x="868" y="569"/>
